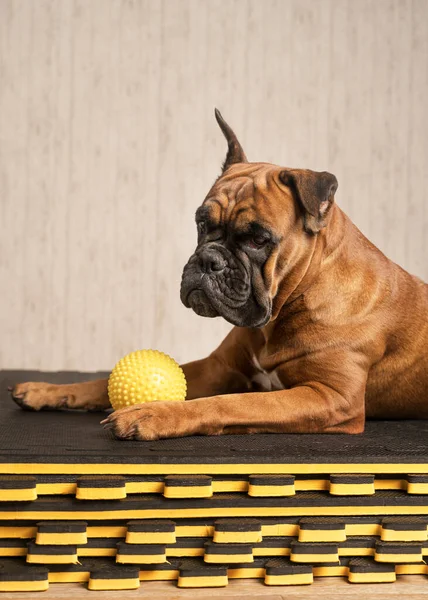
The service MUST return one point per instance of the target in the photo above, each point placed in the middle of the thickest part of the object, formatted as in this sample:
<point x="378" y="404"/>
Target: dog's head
<point x="254" y="225"/>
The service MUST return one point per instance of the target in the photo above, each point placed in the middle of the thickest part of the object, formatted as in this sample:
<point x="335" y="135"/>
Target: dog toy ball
<point x="145" y="376"/>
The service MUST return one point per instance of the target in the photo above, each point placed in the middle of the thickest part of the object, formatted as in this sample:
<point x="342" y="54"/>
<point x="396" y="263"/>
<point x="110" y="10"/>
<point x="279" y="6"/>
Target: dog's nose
<point x="211" y="261"/>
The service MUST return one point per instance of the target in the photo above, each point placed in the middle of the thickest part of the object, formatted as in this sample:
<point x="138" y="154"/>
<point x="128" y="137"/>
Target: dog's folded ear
<point x="235" y="153"/>
<point x="315" y="192"/>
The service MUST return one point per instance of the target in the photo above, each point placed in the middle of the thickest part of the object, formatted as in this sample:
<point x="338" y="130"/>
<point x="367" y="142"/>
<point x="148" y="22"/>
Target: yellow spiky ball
<point x="145" y="376"/>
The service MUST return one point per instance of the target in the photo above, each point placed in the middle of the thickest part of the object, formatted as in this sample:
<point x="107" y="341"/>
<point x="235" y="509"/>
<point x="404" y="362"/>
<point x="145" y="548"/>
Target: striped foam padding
<point x="69" y="443"/>
<point x="216" y="552"/>
<point x="226" y="530"/>
<point x="105" y="574"/>
<point x="22" y="488"/>
<point x="78" y="505"/>
<point x="156" y="506"/>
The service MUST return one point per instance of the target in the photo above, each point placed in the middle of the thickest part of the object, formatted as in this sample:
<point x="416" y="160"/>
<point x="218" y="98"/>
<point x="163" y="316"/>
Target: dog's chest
<point x="266" y="381"/>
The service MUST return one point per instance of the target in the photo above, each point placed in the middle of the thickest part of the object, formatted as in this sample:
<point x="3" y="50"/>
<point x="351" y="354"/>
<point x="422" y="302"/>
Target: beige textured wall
<point x="108" y="144"/>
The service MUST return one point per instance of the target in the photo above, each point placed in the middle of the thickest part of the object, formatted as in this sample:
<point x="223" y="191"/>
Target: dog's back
<point x="398" y="384"/>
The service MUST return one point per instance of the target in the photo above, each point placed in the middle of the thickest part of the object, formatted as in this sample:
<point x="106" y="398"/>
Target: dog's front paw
<point x="38" y="396"/>
<point x="150" y="421"/>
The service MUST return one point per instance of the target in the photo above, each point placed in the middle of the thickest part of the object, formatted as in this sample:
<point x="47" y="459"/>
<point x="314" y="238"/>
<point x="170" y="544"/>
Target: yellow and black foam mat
<point x="98" y="574"/>
<point x="166" y="531"/>
<point x="190" y="486"/>
<point x="399" y="552"/>
<point x="114" y="579"/>
<point x="105" y="574"/>
<point x="51" y="553"/>
<point x="60" y="532"/>
<point x="333" y="529"/>
<point x="404" y="529"/>
<point x="96" y="487"/>
<point x="284" y="572"/>
<point x="103" y="487"/>
<point x="224" y="530"/>
<point x="13" y="547"/>
<point x="146" y="553"/>
<point x="366" y="570"/>
<point x="158" y="531"/>
<point x="73" y="443"/>
<point x="18" y="488"/>
<point x="225" y="553"/>
<point x="245" y="530"/>
<point x="18" y="576"/>
<point x="417" y="483"/>
<point x="195" y="574"/>
<point x="217" y="553"/>
<point x="353" y="484"/>
<point x="155" y="506"/>
<point x="271" y="485"/>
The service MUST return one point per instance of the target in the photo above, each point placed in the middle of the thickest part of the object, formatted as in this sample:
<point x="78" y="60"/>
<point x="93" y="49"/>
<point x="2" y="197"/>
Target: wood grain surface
<point x="108" y="144"/>
<point x="414" y="587"/>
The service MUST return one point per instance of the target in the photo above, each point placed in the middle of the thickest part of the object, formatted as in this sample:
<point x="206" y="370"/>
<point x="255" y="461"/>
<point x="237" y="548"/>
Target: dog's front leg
<point x="307" y="409"/>
<point x="311" y="406"/>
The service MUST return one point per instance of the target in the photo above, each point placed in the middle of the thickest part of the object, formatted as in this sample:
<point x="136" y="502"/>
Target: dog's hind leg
<point x="223" y="372"/>
<point x="90" y="395"/>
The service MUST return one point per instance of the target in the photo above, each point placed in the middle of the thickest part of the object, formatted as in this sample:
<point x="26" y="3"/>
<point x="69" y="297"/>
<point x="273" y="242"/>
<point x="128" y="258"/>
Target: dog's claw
<point x="19" y="400"/>
<point x="128" y="435"/>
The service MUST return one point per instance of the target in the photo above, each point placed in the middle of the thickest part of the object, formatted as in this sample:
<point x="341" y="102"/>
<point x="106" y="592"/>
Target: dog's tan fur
<point x="347" y="338"/>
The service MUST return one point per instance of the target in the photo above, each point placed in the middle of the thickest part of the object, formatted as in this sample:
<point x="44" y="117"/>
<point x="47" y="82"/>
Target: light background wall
<point x="108" y="144"/>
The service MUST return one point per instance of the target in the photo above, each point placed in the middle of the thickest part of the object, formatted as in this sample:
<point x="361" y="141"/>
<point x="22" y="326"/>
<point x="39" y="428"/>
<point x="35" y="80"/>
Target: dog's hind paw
<point x="38" y="396"/>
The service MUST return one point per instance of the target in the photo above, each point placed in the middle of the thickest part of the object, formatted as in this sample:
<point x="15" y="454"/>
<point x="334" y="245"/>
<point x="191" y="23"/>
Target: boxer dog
<point x="328" y="331"/>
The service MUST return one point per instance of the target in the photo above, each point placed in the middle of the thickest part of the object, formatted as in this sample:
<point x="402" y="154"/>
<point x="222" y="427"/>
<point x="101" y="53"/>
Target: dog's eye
<point x="257" y="241"/>
<point x="201" y="228"/>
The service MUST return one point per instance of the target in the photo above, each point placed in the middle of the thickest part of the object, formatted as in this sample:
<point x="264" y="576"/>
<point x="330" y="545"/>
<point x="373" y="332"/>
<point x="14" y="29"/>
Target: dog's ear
<point x="235" y="153"/>
<point x="315" y="191"/>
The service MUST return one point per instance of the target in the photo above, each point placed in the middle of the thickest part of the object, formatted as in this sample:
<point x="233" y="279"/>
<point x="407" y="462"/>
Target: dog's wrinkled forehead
<point x="313" y="190"/>
<point x="246" y="193"/>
